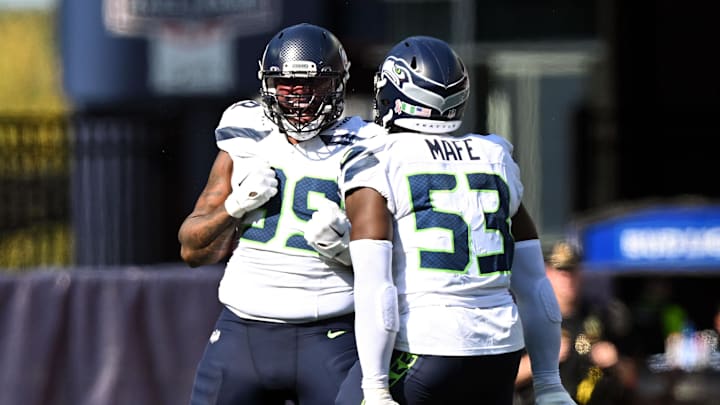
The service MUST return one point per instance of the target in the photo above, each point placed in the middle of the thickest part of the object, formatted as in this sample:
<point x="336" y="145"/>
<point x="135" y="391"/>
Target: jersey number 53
<point x="494" y="237"/>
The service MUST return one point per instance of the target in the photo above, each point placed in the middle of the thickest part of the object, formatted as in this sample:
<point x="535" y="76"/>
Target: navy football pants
<point x="443" y="380"/>
<point x="262" y="363"/>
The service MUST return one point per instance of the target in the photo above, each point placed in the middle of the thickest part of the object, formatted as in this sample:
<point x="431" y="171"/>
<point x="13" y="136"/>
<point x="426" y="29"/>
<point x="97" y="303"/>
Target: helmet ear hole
<point x="413" y="63"/>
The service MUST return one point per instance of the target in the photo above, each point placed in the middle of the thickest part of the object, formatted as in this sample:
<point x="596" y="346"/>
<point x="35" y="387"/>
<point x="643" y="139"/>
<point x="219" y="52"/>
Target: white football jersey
<point x="273" y="274"/>
<point x="451" y="198"/>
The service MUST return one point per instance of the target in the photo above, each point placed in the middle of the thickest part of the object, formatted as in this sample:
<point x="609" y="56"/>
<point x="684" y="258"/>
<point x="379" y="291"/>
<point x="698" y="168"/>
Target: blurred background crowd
<point x="107" y="112"/>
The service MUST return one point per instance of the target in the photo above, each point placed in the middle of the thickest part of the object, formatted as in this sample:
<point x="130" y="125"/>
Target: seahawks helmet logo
<point x="401" y="76"/>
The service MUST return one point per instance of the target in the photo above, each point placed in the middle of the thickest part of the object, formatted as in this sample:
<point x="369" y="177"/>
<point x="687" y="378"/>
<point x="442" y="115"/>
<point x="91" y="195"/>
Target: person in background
<point x="591" y="367"/>
<point x="433" y="250"/>
<point x="286" y="330"/>
<point x="657" y="315"/>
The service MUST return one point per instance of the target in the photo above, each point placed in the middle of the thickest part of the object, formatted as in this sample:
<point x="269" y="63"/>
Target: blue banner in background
<point x="667" y="239"/>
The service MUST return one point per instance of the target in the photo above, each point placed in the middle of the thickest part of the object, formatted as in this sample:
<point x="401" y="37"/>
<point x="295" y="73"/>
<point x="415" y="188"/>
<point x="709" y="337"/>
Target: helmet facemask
<point x="302" y="106"/>
<point x="303" y="73"/>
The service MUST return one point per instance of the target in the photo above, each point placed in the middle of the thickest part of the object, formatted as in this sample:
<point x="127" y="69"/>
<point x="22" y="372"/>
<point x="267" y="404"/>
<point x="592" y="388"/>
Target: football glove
<point x="328" y="232"/>
<point x="257" y="187"/>
<point x="378" y="396"/>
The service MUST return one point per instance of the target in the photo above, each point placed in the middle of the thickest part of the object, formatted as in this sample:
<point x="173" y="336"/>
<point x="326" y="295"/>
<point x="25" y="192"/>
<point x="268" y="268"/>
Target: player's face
<point x="301" y="97"/>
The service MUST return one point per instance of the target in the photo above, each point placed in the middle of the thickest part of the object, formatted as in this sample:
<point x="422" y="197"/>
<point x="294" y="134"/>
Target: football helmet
<point x="422" y="86"/>
<point x="303" y="72"/>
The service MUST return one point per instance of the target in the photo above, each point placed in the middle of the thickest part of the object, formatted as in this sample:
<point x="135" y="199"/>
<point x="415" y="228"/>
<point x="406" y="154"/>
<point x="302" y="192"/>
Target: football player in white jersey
<point x="439" y="240"/>
<point x="286" y="331"/>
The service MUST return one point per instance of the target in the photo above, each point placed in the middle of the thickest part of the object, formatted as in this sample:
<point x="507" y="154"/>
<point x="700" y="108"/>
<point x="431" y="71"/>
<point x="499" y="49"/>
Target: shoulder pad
<point x="371" y="130"/>
<point x="497" y="139"/>
<point x="244" y="119"/>
<point x="349" y="130"/>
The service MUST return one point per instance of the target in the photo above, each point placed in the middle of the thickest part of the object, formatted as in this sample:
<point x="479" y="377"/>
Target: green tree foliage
<point x="29" y="64"/>
<point x="34" y="145"/>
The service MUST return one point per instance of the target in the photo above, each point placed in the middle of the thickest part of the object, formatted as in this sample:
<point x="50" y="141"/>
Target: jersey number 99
<point x="301" y="209"/>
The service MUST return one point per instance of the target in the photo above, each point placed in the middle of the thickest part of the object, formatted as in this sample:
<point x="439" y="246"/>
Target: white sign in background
<point x="191" y="47"/>
<point x="670" y="243"/>
<point x="178" y="67"/>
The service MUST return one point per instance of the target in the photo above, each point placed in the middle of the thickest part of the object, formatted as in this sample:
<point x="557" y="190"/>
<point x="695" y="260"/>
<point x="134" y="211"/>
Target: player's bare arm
<point x="523" y="227"/>
<point x="206" y="235"/>
<point x="368" y="213"/>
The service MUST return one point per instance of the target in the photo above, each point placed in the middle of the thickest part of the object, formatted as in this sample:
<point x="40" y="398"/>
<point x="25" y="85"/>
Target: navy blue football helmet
<point x="303" y="72"/>
<point x="421" y="86"/>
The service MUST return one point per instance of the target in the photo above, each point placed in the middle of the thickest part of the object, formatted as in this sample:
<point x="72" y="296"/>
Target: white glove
<point x="328" y="232"/>
<point x="257" y="187"/>
<point x="378" y="396"/>
<point x="554" y="398"/>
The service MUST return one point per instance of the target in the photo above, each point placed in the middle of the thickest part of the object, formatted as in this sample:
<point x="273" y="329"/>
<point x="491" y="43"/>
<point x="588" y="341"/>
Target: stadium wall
<point x="110" y="335"/>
